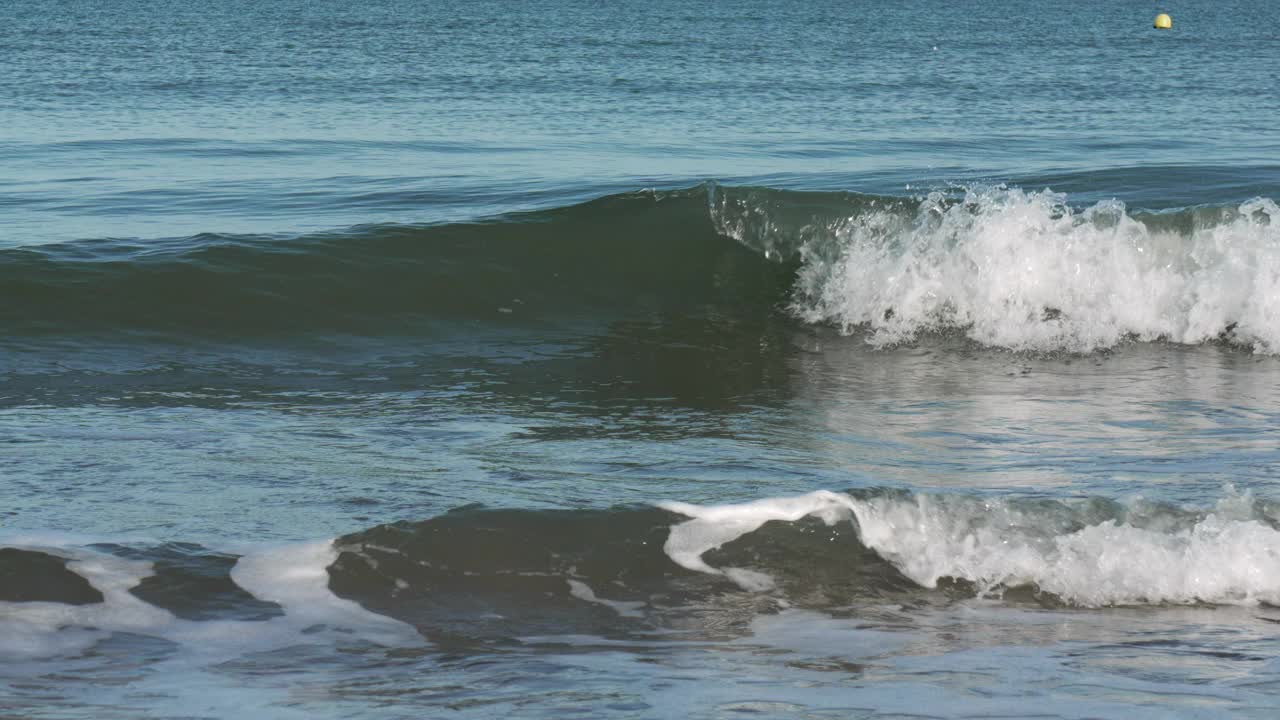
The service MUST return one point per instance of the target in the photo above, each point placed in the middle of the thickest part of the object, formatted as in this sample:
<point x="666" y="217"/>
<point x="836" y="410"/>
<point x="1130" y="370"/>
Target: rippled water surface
<point x="667" y="360"/>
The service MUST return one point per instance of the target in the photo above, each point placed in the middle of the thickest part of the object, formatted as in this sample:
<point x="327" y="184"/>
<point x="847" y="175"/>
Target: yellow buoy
<point x="1163" y="22"/>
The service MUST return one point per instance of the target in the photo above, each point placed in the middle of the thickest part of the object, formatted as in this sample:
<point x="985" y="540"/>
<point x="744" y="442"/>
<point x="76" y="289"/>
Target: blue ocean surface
<point x="664" y="360"/>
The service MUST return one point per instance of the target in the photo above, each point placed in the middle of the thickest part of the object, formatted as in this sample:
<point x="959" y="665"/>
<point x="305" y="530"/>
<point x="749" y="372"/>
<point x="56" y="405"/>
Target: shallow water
<point x="797" y="360"/>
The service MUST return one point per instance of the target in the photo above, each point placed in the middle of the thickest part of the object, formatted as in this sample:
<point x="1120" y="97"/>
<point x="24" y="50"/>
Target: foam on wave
<point x="1088" y="554"/>
<point x="1006" y="267"/>
<point x="482" y="576"/>
<point x="1026" y="270"/>
<point x="293" y="576"/>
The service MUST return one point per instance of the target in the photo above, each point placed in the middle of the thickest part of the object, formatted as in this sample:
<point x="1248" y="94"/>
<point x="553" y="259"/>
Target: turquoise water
<point x="128" y="119"/>
<point x="676" y="360"/>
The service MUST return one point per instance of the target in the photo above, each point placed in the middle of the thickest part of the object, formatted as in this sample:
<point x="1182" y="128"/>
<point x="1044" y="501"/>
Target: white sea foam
<point x="1027" y="271"/>
<point x="293" y="576"/>
<point x="714" y="525"/>
<point x="1225" y="556"/>
<point x="296" y="578"/>
<point x="43" y="629"/>
<point x="583" y="592"/>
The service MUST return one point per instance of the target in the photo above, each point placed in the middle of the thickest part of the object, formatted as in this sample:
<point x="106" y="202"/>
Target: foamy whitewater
<point x="1027" y="271"/>
<point x="1084" y="553"/>
<point x="1230" y="554"/>
<point x="293" y="577"/>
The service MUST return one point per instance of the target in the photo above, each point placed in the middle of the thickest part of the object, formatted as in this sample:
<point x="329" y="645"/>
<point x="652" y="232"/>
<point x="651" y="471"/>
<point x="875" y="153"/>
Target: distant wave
<point x="1003" y="267"/>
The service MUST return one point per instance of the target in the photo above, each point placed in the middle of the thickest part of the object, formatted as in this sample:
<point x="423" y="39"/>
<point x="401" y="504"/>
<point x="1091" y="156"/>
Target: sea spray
<point x="1029" y="271"/>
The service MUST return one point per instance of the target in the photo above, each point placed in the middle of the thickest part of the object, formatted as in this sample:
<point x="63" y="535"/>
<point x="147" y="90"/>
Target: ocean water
<point x="639" y="360"/>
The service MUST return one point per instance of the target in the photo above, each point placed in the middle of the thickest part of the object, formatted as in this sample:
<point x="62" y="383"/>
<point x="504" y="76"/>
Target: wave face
<point x="1003" y="267"/>
<point x="626" y="254"/>
<point x="477" y="573"/>
<point x="501" y="573"/>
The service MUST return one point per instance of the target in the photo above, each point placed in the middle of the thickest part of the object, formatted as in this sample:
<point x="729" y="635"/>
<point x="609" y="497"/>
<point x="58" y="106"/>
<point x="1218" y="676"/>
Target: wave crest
<point x="1090" y="553"/>
<point x="1005" y="267"/>
<point x="1027" y="271"/>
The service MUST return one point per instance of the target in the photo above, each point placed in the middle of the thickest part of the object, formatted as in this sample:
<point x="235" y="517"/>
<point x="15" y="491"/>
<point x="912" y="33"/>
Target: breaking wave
<point x="477" y="576"/>
<point x="1089" y="553"/>
<point x="1029" y="271"/>
<point x="1004" y="267"/>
